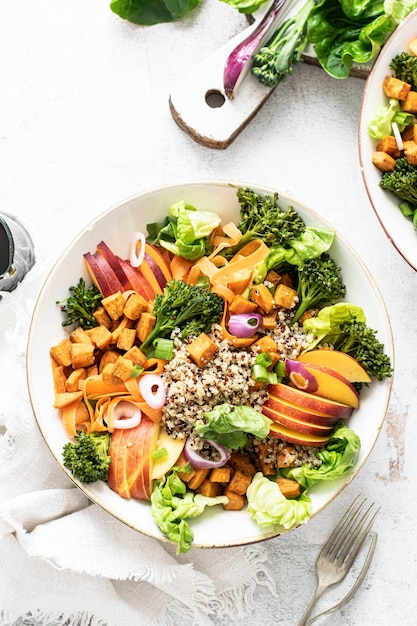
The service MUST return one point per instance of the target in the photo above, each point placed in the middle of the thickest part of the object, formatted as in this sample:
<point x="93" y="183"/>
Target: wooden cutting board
<point x="201" y="109"/>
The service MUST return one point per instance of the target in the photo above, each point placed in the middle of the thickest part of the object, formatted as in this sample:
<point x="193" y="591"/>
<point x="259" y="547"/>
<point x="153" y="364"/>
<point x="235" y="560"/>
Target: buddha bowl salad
<point x="216" y="365"/>
<point x="395" y="131"/>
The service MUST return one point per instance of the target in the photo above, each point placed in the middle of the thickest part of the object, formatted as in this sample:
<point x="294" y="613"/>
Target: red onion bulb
<point x="300" y="376"/>
<point x="244" y="324"/>
<point x="126" y="415"/>
<point x="198" y="462"/>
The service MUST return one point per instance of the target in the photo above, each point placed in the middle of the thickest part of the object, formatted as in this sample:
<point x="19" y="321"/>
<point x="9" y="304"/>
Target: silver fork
<point x="339" y="552"/>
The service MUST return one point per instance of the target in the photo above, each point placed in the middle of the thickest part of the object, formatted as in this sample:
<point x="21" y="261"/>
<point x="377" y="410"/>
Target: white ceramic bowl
<point x="399" y="230"/>
<point x="216" y="528"/>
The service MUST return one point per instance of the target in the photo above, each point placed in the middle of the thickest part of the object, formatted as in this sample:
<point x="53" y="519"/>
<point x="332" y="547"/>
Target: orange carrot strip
<point x="180" y="267"/>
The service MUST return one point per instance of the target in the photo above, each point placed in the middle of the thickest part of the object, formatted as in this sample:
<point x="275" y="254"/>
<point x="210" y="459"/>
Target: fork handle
<point x="321" y="588"/>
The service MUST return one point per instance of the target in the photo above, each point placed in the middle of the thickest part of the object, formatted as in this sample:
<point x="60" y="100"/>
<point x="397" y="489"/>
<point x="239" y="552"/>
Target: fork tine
<point x="330" y="542"/>
<point x="358" y="536"/>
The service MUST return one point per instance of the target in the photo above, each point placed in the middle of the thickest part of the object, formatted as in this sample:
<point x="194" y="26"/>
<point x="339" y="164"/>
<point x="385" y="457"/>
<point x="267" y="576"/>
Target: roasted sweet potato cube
<point x="122" y="368"/>
<point x="145" y="325"/>
<point x="220" y="474"/>
<point x="240" y="304"/>
<point x="118" y="327"/>
<point x="383" y="161"/>
<point x="136" y="356"/>
<point x="135" y="305"/>
<point x="286" y="457"/>
<point x="73" y="380"/>
<point x="114" y="305"/>
<point x="102" y="317"/>
<point x="61" y="353"/>
<point x="236" y="501"/>
<point x="198" y="477"/>
<point x="66" y="398"/>
<point x="273" y="277"/>
<point x="261" y="295"/>
<point x="202" y="349"/>
<point x="109" y="356"/>
<point x="82" y="355"/>
<point x="289" y="488"/>
<point x="389" y="145"/>
<point x="209" y="489"/>
<point x="108" y="376"/>
<point x="126" y="339"/>
<point x="79" y="335"/>
<point x="263" y="455"/>
<point x="238" y="460"/>
<point x="101" y="336"/>
<point x="59" y="378"/>
<point x="411" y="154"/>
<point x="409" y="105"/>
<point x="395" y="88"/>
<point x="270" y="321"/>
<point x="240" y="481"/>
<point x="308" y="314"/>
<point x="266" y="344"/>
<point x="285" y="297"/>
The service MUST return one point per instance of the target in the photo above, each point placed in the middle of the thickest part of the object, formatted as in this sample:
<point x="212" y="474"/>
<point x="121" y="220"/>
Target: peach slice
<point x="334" y="386"/>
<point x="300" y="425"/>
<point x="303" y="413"/>
<point x="310" y="402"/>
<point x="298" y="438"/>
<point x="339" y="362"/>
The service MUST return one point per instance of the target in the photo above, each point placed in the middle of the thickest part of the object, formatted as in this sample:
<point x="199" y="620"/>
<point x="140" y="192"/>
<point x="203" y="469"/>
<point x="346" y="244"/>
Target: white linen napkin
<point x="65" y="560"/>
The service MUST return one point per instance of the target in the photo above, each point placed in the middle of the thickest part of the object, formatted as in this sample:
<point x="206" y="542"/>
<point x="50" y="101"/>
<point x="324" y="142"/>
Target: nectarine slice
<point x="337" y="361"/>
<point x="310" y="401"/>
<point x="292" y="436"/>
<point x="333" y="386"/>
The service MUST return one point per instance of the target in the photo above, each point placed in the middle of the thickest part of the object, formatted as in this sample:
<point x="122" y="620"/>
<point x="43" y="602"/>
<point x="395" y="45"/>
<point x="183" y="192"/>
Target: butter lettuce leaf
<point x="172" y="504"/>
<point x="229" y="425"/>
<point x="268" y="506"/>
<point x="150" y="12"/>
<point x="325" y="326"/>
<point x="185" y="232"/>
<point x="338" y="459"/>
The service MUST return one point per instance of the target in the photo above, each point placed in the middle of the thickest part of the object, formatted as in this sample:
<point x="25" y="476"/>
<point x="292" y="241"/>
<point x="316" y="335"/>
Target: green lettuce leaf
<point x="185" y="232"/>
<point x="268" y="506"/>
<point x="245" y="6"/>
<point x="347" y="32"/>
<point x="229" y="425"/>
<point x="310" y="244"/>
<point x="172" y="504"/>
<point x="150" y="12"/>
<point x="399" y="9"/>
<point x="325" y="326"/>
<point x="338" y="459"/>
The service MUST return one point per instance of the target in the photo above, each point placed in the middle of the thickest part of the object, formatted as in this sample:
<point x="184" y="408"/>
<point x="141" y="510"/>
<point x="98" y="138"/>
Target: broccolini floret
<point x="88" y="459"/>
<point x="276" y="59"/>
<point x="405" y="68"/>
<point x="402" y="181"/>
<point x="262" y="218"/>
<point x="190" y="308"/>
<point x="81" y="304"/>
<point x="360" y="342"/>
<point x="319" y="282"/>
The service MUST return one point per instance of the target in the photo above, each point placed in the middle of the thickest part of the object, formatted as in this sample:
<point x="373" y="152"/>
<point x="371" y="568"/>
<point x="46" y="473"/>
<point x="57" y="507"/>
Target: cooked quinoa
<point x="227" y="377"/>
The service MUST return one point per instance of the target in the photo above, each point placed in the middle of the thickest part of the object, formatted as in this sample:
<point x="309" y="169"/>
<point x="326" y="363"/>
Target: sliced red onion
<point x="238" y="62"/>
<point x="135" y="258"/>
<point x="300" y="376"/>
<point x="153" y="391"/>
<point x="126" y="415"/>
<point x="198" y="462"/>
<point x="244" y="324"/>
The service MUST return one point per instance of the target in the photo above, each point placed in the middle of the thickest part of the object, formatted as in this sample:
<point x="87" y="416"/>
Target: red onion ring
<point x="153" y="391"/>
<point x="198" y="462"/>
<point x="244" y="324"/>
<point x="300" y="376"/>
<point x="126" y="415"/>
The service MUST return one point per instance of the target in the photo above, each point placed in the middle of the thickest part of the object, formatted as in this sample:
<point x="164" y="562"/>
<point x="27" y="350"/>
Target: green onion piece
<point x="263" y="359"/>
<point x="272" y="378"/>
<point x="159" y="454"/>
<point x="406" y="209"/>
<point x="203" y="282"/>
<point x="164" y="349"/>
<point x="259" y="373"/>
<point x="280" y="371"/>
<point x="136" y="372"/>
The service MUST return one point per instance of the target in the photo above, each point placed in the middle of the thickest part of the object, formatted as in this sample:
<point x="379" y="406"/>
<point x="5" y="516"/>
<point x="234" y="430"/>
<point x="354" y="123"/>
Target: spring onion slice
<point x="238" y="61"/>
<point x="397" y="136"/>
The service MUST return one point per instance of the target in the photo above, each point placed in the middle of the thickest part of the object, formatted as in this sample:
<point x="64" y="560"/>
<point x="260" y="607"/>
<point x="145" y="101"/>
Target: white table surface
<point x="85" y="122"/>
